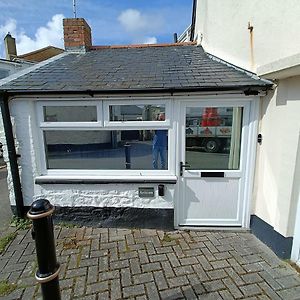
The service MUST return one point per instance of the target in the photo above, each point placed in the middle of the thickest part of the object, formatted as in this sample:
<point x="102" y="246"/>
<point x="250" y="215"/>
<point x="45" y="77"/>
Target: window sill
<point x="46" y="179"/>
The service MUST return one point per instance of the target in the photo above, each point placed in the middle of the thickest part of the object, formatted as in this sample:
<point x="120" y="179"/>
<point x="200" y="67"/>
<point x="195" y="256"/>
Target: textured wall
<point x="99" y="195"/>
<point x="105" y="195"/>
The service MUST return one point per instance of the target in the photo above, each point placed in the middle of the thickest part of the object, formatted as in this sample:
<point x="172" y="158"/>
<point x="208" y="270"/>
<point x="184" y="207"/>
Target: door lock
<point x="182" y="165"/>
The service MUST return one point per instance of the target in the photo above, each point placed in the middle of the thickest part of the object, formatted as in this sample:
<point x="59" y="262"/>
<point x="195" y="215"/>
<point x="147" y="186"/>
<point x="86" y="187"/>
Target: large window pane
<point x="136" y="112"/>
<point x="70" y="113"/>
<point x="106" y="150"/>
<point x="213" y="137"/>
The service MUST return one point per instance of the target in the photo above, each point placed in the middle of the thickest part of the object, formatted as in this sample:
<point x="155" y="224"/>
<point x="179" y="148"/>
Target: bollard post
<point x="127" y="156"/>
<point x="48" y="268"/>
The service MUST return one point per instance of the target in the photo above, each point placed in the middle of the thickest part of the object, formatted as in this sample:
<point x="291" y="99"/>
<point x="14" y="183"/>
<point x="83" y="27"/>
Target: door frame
<point x="250" y="144"/>
<point x="295" y="255"/>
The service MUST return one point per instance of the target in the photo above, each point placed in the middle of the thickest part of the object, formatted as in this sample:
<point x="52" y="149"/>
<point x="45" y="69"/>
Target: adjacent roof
<point x="41" y="54"/>
<point x="175" y="67"/>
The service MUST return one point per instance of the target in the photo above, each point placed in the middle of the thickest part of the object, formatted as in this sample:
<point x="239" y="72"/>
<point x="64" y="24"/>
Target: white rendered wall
<point x="106" y="195"/>
<point x="277" y="179"/>
<point x="223" y="26"/>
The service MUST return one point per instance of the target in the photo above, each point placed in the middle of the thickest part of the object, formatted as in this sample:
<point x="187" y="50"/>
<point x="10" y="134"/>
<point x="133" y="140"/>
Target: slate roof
<point x="174" y="67"/>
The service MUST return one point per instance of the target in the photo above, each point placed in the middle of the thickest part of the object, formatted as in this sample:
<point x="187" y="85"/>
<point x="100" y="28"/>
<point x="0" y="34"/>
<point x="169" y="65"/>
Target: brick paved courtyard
<point x="99" y="263"/>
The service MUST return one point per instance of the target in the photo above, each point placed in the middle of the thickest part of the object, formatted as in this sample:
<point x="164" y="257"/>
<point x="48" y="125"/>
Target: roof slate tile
<point x="134" y="68"/>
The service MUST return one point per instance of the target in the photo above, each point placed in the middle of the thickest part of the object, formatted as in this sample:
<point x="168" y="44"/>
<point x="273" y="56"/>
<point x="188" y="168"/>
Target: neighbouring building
<point x="260" y="36"/>
<point x="14" y="63"/>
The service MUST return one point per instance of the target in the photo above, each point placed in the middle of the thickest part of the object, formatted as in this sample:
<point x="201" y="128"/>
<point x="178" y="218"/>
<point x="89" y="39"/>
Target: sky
<point x="38" y="23"/>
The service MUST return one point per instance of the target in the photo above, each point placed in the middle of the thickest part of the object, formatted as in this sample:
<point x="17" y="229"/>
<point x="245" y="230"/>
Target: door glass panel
<point x="213" y="138"/>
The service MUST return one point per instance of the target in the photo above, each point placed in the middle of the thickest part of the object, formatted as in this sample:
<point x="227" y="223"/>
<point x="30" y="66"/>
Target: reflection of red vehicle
<point x="211" y="117"/>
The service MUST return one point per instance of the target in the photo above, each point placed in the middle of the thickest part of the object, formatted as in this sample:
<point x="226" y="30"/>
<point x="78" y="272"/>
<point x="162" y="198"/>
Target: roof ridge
<point x="39" y="50"/>
<point x="92" y="48"/>
<point x="30" y="69"/>
<point x="237" y="68"/>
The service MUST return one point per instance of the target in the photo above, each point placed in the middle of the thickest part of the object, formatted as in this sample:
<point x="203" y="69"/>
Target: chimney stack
<point x="10" y="47"/>
<point x="77" y="34"/>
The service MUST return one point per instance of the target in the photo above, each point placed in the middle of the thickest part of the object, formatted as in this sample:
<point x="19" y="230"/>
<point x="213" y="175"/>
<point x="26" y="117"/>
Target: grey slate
<point x="172" y="67"/>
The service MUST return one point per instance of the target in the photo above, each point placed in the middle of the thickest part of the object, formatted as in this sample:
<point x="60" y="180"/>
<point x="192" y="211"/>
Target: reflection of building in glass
<point x="67" y="149"/>
<point x="135" y="112"/>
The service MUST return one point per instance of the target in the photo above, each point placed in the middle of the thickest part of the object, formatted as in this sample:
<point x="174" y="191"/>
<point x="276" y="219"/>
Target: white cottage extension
<point x="145" y="135"/>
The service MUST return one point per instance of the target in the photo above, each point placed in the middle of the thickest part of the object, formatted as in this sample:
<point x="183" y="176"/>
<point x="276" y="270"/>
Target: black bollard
<point x="48" y="268"/>
<point x="127" y="156"/>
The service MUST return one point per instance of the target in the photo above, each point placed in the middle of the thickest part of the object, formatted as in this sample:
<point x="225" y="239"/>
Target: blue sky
<point x="36" y="23"/>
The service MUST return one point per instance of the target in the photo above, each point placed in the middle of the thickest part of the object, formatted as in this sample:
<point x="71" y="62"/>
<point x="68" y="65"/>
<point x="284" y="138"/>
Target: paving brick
<point x="134" y="290"/>
<point x="183" y="270"/>
<point x="289" y="281"/>
<point x="178" y="281"/>
<point x="232" y="288"/>
<point x="151" y="267"/>
<point x="271" y="282"/>
<point x="151" y="290"/>
<point x="215" y="285"/>
<point x="126" y="277"/>
<point x="173" y="260"/>
<point x="226" y="295"/>
<point x="251" y="278"/>
<point x="135" y="266"/>
<point x="168" y="270"/>
<point x="97" y="287"/>
<point x="92" y="275"/>
<point x="109" y="275"/>
<point x="115" y="289"/>
<point x="250" y="290"/>
<point x="188" y="261"/>
<point x="80" y="286"/>
<point x="76" y="272"/>
<point x="172" y="294"/>
<point x="158" y="257"/>
<point x="142" y="278"/>
<point x="268" y="291"/>
<point x="291" y="294"/>
<point x="160" y="280"/>
<point x="216" y="274"/>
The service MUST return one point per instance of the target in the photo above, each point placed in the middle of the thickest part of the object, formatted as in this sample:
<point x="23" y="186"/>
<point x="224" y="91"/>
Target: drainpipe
<point x="12" y="155"/>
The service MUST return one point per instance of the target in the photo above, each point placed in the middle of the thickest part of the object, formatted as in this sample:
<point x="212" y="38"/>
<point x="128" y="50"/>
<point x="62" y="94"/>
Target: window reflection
<point x="213" y="137"/>
<point x="135" y="112"/>
<point x="106" y="149"/>
<point x="70" y="113"/>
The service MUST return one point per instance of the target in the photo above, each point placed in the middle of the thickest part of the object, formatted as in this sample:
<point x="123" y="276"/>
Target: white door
<point x="212" y="163"/>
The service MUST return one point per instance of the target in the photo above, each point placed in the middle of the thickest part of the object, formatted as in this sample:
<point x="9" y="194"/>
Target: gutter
<point x="247" y="90"/>
<point x="12" y="155"/>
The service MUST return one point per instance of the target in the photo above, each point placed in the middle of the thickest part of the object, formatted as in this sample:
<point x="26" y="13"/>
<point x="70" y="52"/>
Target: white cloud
<point x="132" y="20"/>
<point x="139" y="25"/>
<point x="51" y="34"/>
<point x="149" y="40"/>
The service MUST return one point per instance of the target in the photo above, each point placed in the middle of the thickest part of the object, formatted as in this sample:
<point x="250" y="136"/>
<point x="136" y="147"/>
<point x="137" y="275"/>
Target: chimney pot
<point x="10" y="47"/>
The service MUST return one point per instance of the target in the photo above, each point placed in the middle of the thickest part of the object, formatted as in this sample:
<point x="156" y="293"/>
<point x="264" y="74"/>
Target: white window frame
<point x="140" y="124"/>
<point x="43" y="124"/>
<point x="103" y="123"/>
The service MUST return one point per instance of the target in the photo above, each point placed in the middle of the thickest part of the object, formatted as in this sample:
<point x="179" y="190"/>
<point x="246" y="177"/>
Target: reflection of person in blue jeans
<point x="160" y="141"/>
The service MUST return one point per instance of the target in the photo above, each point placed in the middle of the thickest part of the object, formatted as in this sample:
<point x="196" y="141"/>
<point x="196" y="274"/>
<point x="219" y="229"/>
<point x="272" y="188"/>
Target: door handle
<point x="182" y="165"/>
